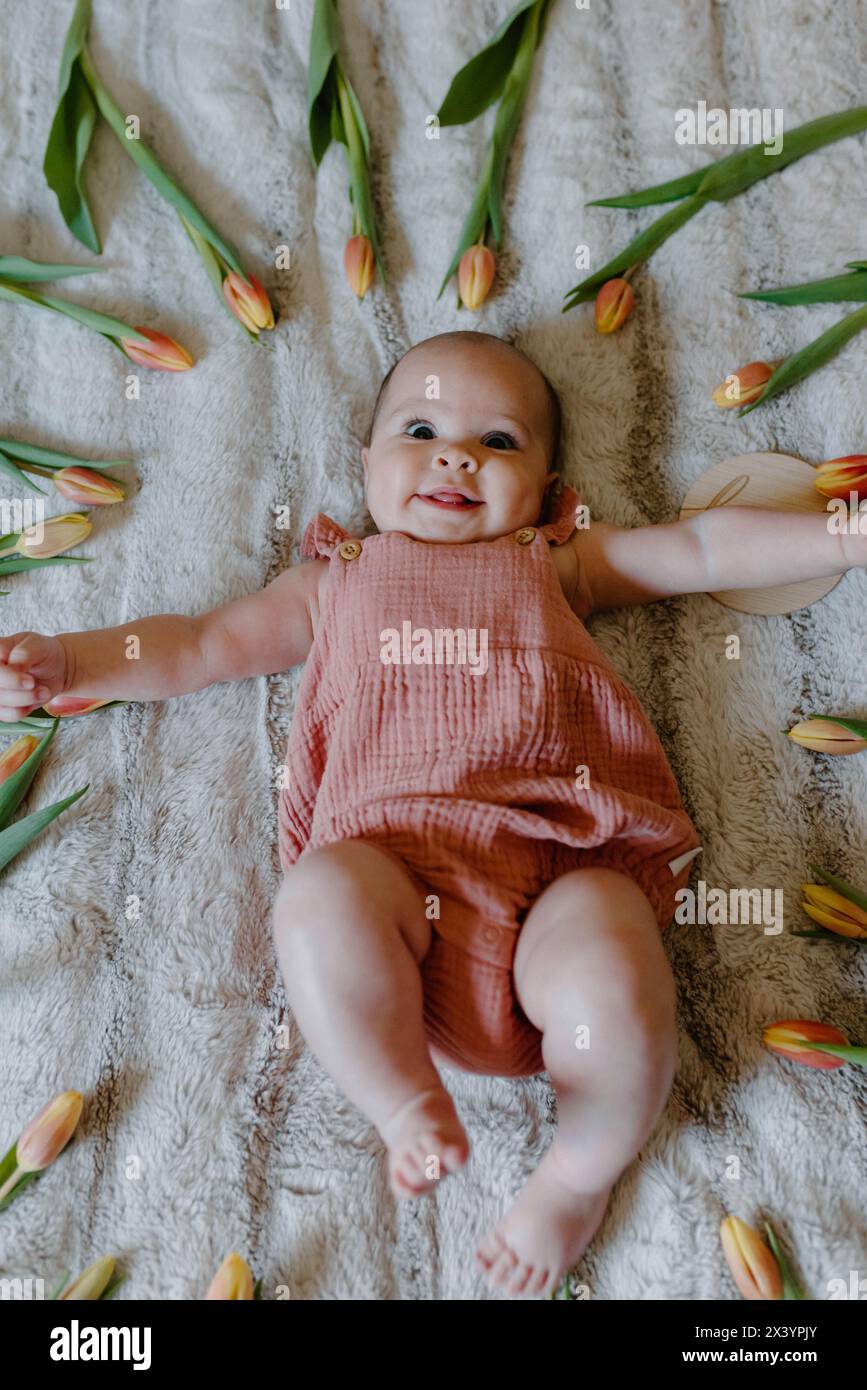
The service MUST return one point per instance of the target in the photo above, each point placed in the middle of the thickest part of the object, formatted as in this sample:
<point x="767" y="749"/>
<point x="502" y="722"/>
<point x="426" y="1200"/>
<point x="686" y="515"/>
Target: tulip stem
<point x="10" y="1183"/>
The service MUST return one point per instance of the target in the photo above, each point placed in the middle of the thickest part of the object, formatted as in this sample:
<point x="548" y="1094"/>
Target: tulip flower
<point x="830" y="909"/>
<point x="744" y="385"/>
<point x="93" y="1283"/>
<point x="837" y="736"/>
<point x="476" y="275"/>
<point x="792" y="1039"/>
<point x="42" y="1140"/>
<point x="843" y="476"/>
<point x="249" y="303"/>
<point x="89" y="489"/>
<point x="501" y="72"/>
<point x="613" y="305"/>
<point x="16" y="754"/>
<point x="753" y="1267"/>
<point x="358" y="264"/>
<point x="163" y="353"/>
<point x="233" y="1280"/>
<point x="58" y="533"/>
<point x="61" y="706"/>
<point x="334" y="113"/>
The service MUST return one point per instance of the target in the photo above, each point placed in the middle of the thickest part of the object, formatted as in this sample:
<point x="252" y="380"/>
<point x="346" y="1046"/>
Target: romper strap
<point x="562" y="513"/>
<point x="321" y="537"/>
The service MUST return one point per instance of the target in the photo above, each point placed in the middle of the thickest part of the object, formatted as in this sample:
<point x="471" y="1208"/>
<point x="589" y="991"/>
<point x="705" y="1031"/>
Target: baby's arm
<point x="723" y="548"/>
<point x="261" y="633"/>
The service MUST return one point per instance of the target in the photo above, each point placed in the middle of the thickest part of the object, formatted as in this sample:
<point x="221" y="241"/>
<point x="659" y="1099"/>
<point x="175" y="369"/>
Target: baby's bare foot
<point x="542" y="1235"/>
<point x="426" y="1140"/>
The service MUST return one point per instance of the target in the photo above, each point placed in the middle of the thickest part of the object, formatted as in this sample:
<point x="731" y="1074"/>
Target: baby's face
<point x="461" y="445"/>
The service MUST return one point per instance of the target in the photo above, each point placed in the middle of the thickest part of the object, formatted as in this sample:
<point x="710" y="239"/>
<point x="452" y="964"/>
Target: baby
<point x="480" y="835"/>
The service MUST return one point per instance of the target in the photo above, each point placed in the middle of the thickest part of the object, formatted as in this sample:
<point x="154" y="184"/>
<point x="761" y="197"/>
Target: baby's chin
<point x="423" y="521"/>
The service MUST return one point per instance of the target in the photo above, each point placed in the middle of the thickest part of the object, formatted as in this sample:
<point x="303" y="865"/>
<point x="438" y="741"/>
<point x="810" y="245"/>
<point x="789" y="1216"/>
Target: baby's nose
<point x="458" y="459"/>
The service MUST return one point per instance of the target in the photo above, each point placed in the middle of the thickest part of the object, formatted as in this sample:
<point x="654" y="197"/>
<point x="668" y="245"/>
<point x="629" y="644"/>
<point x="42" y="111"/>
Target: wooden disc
<point x="763" y="480"/>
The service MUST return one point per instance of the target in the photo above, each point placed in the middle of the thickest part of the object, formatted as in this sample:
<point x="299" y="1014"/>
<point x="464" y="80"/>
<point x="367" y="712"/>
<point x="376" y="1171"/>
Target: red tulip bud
<point x="249" y="303"/>
<point x="87" y="488"/>
<point x="839" y="477"/>
<point x="788" y="1038"/>
<point x="163" y="354"/>
<point x="613" y="305"/>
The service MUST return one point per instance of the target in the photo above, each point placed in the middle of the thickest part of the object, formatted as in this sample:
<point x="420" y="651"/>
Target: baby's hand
<point x="32" y="670"/>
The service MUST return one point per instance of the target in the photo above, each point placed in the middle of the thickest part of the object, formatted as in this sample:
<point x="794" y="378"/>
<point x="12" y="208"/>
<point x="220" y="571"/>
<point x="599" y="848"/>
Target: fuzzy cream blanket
<point x="136" y="961"/>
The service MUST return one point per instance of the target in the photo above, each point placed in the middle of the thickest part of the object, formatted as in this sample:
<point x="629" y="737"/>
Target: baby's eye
<point x="509" y="444"/>
<point x="422" y="425"/>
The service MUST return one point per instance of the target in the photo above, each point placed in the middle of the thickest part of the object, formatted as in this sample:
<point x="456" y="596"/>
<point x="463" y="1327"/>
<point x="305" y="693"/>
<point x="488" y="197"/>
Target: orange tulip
<point x="827" y="736"/>
<point x="753" y="1267"/>
<point x="786" y="1037"/>
<point x="476" y="275"/>
<point x="613" y="305"/>
<point x="164" y="354"/>
<point x="830" y="909"/>
<point x="744" y="386"/>
<point x="16" y="754"/>
<point x="58" y="533"/>
<point x="358" y="264"/>
<point x="60" y="706"/>
<point x="249" y="303"/>
<point x="839" y="477"/>
<point x="92" y="1283"/>
<point x="86" y="487"/>
<point x="233" y="1280"/>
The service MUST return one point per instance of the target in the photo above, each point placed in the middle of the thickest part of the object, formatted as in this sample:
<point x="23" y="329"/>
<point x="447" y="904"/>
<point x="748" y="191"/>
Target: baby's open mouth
<point x="449" y="497"/>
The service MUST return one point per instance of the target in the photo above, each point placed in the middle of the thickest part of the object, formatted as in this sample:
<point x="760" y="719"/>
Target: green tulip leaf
<point x="18" y="564"/>
<point x="856" y="265"/>
<point x="476" y="220"/>
<point x="837" y="288"/>
<point x="101" y="323"/>
<point x="355" y="137"/>
<point x="858" y="1055"/>
<point x="14" y="838"/>
<point x="790" y="1288"/>
<point x="7" y="466"/>
<point x="15" y="788"/>
<point x="71" y="132"/>
<point x="809" y="359"/>
<point x="508" y="115"/>
<point x="733" y="174"/>
<point x="660" y="193"/>
<point x="639" y="249"/>
<point x="153" y="170"/>
<point x="19" y="268"/>
<point x="321" y="96"/>
<point x="480" y="82"/>
<point x="839" y="884"/>
<point x="53" y="458"/>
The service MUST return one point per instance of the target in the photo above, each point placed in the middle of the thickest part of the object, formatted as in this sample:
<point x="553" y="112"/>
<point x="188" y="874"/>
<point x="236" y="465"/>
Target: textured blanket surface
<point x="136" y="961"/>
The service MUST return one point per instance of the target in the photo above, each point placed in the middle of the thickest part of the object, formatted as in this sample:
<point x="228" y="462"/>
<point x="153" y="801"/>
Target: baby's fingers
<point x="24" y="649"/>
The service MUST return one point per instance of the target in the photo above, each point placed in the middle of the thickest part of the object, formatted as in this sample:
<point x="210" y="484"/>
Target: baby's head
<point x="461" y="413"/>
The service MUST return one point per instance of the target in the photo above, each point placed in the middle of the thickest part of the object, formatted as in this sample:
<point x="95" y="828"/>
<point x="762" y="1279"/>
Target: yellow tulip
<point x="830" y="909"/>
<point x="358" y="264"/>
<point x="87" y="487"/>
<point x="16" y="754"/>
<point x="162" y="352"/>
<point x="92" y="1283"/>
<point x="827" y="736"/>
<point x="249" y="303"/>
<point x="613" y="305"/>
<point x="753" y="1267"/>
<point x="48" y="538"/>
<point x="45" y="1137"/>
<point x="233" y="1280"/>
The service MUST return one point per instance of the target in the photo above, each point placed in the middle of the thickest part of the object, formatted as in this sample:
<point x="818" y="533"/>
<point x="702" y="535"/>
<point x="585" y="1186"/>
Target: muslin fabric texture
<point x="486" y="783"/>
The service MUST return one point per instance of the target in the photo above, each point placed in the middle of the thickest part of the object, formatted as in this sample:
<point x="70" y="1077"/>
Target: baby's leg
<point x="589" y="956"/>
<point x="350" y="931"/>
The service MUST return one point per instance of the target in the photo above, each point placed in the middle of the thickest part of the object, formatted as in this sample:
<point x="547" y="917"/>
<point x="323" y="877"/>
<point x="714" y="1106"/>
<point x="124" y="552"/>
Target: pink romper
<point x="472" y="777"/>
